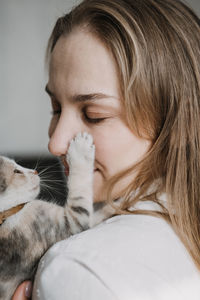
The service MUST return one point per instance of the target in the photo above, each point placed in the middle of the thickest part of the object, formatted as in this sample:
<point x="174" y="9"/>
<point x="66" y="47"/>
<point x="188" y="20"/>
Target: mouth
<point x="36" y="187"/>
<point x="66" y="171"/>
<point x="66" y="167"/>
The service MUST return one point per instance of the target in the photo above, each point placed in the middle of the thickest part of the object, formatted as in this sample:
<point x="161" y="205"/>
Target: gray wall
<point x="25" y="26"/>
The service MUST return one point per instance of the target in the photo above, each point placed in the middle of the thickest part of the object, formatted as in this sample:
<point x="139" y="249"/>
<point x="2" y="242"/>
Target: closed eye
<point x="92" y="120"/>
<point x="16" y="171"/>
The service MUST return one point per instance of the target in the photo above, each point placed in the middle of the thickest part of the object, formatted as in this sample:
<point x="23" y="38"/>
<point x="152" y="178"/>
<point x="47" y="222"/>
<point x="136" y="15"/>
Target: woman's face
<point x="84" y="90"/>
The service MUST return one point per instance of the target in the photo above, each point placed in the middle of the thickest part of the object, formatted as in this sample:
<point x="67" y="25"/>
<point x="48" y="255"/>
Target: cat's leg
<point x="104" y="210"/>
<point x="80" y="158"/>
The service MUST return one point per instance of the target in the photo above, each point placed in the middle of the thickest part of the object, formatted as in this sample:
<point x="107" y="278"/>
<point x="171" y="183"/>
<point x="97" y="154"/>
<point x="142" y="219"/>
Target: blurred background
<point x="25" y="111"/>
<point x="25" y="26"/>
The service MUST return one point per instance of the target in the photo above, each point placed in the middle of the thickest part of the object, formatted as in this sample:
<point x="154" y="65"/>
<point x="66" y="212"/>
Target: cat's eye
<point x="16" y="171"/>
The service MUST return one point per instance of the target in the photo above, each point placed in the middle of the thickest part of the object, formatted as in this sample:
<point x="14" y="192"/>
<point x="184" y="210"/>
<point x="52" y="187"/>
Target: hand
<point x="23" y="292"/>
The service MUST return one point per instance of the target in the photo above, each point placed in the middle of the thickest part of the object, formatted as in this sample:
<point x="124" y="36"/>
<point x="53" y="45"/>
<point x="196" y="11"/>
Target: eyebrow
<point x="82" y="97"/>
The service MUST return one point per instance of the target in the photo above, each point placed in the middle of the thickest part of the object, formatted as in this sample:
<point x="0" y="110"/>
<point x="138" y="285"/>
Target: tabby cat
<point x="29" y="227"/>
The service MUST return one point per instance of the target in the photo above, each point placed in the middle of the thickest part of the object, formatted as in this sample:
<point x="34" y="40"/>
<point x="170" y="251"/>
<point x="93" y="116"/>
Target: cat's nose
<point x="35" y="172"/>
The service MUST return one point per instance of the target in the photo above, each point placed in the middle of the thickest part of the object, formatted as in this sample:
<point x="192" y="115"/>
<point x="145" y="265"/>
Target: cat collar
<point x="9" y="212"/>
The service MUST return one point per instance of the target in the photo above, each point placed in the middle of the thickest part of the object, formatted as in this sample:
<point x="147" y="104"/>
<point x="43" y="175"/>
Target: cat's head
<point x="17" y="184"/>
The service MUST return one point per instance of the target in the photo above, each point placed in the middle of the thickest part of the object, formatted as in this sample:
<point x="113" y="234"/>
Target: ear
<point x="3" y="184"/>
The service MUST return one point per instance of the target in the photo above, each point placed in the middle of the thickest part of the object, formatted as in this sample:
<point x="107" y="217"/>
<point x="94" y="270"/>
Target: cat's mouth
<point x="35" y="187"/>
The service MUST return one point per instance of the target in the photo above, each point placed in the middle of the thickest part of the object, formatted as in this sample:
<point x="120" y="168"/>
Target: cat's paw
<point x="81" y="150"/>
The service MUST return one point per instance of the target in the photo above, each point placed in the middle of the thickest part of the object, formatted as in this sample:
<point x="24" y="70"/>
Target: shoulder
<point x="129" y="256"/>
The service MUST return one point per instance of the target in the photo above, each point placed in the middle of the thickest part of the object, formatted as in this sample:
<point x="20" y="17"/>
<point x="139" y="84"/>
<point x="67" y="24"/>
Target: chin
<point x="99" y="195"/>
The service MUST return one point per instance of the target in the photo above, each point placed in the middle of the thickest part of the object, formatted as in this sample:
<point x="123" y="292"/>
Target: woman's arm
<point x="23" y="292"/>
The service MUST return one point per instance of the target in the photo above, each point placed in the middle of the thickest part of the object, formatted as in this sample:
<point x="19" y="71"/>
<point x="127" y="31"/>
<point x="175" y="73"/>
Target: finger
<point x="23" y="292"/>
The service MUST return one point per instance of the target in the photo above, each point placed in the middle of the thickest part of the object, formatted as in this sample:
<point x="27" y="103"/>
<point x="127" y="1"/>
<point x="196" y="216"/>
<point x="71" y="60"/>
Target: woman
<point x="128" y="72"/>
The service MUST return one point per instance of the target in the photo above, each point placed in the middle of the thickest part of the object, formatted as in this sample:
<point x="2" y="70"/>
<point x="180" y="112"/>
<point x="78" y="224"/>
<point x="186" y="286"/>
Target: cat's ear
<point x="3" y="184"/>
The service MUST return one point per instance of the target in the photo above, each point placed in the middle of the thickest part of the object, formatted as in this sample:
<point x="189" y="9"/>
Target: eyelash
<point x="92" y="120"/>
<point x="57" y="111"/>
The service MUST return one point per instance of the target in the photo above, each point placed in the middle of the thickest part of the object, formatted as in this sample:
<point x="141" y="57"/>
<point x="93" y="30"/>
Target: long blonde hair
<point x="156" y="46"/>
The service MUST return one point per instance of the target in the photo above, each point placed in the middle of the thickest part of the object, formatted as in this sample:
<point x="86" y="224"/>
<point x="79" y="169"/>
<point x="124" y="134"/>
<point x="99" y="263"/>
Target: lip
<point x="66" y="171"/>
<point x="66" y="166"/>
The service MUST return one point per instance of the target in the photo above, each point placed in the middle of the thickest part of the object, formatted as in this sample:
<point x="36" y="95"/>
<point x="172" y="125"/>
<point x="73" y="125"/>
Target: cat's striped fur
<point x="25" y="236"/>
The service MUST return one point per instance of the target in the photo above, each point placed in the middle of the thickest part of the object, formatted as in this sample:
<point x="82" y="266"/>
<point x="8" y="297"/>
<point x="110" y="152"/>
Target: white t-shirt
<point x="125" y="258"/>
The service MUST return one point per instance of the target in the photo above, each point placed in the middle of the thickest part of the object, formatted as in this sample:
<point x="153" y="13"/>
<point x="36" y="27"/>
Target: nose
<point x="66" y="128"/>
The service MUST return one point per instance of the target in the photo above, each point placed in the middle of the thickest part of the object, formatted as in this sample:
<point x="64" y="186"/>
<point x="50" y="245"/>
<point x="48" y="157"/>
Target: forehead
<point x="81" y="63"/>
<point x="4" y="161"/>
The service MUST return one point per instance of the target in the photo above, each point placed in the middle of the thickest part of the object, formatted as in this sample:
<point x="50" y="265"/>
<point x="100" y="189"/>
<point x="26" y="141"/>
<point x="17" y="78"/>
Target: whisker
<point x="49" y="168"/>
<point x="51" y="180"/>
<point x="52" y="187"/>
<point x="51" y="172"/>
<point x="37" y="163"/>
<point x="48" y="189"/>
<point x="57" y="191"/>
<point x="52" y="196"/>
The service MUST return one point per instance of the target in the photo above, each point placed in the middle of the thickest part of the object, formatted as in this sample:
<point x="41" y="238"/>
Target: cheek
<point x="104" y="151"/>
<point x="118" y="148"/>
<point x="19" y="181"/>
<point x="106" y="146"/>
<point x="24" y="182"/>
